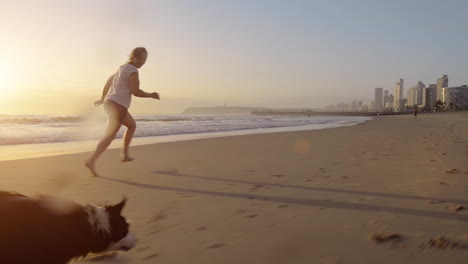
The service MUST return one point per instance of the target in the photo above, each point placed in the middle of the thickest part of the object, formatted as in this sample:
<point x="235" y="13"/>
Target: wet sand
<point x="319" y="196"/>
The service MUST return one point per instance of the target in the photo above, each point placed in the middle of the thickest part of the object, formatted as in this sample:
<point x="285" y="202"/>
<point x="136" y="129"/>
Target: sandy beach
<point x="292" y="197"/>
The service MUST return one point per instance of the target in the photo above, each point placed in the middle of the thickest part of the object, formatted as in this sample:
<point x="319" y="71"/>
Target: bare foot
<point x="91" y="168"/>
<point x="127" y="158"/>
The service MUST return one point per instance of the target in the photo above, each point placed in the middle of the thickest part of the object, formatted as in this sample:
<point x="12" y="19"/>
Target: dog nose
<point x="129" y="242"/>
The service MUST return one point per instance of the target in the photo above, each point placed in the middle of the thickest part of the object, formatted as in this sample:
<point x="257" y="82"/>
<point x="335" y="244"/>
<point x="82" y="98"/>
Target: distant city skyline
<point x="420" y="95"/>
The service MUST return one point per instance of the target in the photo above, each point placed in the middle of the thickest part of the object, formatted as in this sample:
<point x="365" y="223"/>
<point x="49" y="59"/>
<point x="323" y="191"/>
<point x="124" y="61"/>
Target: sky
<point x="55" y="55"/>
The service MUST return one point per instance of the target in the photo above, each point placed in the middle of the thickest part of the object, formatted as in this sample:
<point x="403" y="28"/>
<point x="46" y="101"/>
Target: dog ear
<point x="117" y="209"/>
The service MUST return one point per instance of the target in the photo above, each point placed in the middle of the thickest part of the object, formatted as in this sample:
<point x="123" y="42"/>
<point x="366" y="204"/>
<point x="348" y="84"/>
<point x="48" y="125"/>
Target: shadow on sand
<point x="304" y="202"/>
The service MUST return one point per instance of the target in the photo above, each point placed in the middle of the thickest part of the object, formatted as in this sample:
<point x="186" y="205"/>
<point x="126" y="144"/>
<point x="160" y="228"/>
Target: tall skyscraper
<point x="378" y="99"/>
<point x="441" y="83"/>
<point x="430" y="95"/>
<point x="410" y="96"/>
<point x="398" y="96"/>
<point x="418" y="93"/>
<point x="388" y="99"/>
<point x="415" y="94"/>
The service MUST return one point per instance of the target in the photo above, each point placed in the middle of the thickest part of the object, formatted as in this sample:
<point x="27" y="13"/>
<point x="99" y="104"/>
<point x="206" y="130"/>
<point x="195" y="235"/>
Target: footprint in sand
<point x="278" y="175"/>
<point x="452" y="171"/>
<point x="443" y="183"/>
<point x="156" y="217"/>
<point x="436" y="201"/>
<point x="151" y="256"/>
<point x="385" y="237"/>
<point x="445" y="243"/>
<point x="201" y="228"/>
<point x="216" y="246"/>
<point x="240" y="211"/>
<point x="458" y="208"/>
<point x="183" y="195"/>
<point x="256" y="187"/>
<point x="447" y="205"/>
<point x="283" y="205"/>
<point x="251" y="216"/>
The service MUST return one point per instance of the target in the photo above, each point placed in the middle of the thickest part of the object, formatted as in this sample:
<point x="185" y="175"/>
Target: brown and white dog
<point x="33" y="231"/>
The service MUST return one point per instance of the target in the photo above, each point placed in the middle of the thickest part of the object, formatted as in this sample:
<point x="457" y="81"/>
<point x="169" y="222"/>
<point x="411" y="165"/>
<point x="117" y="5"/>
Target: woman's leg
<point x="130" y="123"/>
<point x="116" y="115"/>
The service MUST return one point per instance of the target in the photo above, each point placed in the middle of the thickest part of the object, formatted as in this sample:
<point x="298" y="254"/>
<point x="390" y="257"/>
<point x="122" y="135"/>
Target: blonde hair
<point x="137" y="53"/>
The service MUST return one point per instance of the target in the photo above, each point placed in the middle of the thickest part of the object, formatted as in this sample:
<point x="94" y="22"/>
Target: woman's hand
<point x="155" y="96"/>
<point x="98" y="102"/>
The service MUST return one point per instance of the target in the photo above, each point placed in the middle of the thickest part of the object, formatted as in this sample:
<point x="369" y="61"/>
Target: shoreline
<point x="26" y="151"/>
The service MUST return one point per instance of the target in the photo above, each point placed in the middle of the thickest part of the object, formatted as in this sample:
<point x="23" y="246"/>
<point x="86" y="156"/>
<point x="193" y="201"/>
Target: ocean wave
<point x="32" y="140"/>
<point x="40" y="120"/>
<point x="38" y="129"/>
<point x="168" y="119"/>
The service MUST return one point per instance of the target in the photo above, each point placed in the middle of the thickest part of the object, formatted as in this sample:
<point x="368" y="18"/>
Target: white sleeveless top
<point x="120" y="89"/>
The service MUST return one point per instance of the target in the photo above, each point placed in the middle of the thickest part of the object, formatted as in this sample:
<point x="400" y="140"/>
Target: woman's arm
<point x="105" y="90"/>
<point x="134" y="82"/>
<point x="107" y="87"/>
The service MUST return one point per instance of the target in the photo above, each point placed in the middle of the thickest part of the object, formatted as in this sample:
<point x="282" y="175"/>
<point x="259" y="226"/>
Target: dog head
<point x="109" y="220"/>
<point x="121" y="238"/>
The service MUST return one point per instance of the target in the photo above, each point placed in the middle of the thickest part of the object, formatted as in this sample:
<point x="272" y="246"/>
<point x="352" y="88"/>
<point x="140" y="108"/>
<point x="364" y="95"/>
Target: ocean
<point x="25" y="136"/>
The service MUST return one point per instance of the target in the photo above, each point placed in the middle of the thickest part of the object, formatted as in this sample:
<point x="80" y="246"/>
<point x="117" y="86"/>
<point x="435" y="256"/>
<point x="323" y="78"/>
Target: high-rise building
<point x="441" y="83"/>
<point x="456" y="97"/>
<point x="418" y="93"/>
<point x="415" y="94"/>
<point x="389" y="103"/>
<point x="398" y="96"/>
<point x="430" y="95"/>
<point x="378" y="100"/>
<point x="410" y="96"/>
<point x="388" y="99"/>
